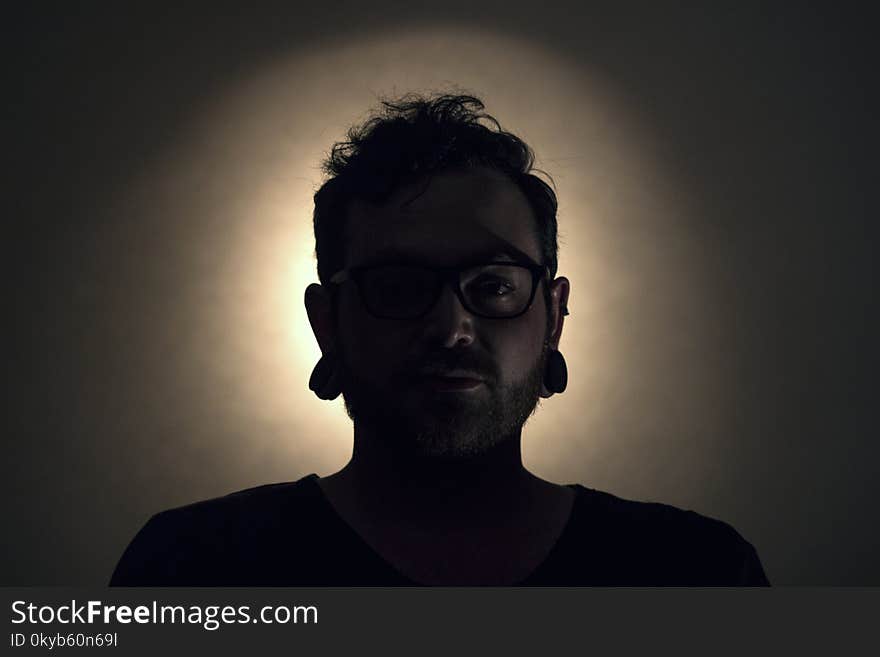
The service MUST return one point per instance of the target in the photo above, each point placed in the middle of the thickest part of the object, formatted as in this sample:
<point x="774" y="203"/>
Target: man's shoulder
<point x="253" y="506"/>
<point x="644" y="537"/>
<point x="243" y="526"/>
<point x="646" y="516"/>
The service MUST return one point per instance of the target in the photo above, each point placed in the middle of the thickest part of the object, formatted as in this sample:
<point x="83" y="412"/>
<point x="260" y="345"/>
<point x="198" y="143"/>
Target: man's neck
<point x="391" y="485"/>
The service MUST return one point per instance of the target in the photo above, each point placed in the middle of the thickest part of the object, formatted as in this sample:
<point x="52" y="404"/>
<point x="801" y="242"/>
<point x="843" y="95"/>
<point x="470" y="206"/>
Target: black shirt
<point x="288" y="534"/>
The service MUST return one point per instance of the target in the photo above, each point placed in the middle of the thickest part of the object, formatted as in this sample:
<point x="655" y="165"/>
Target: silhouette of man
<point x="439" y="317"/>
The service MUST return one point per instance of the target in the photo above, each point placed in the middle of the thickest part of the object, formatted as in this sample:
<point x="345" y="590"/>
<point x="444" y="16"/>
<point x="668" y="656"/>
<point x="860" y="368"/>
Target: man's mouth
<point x="450" y="383"/>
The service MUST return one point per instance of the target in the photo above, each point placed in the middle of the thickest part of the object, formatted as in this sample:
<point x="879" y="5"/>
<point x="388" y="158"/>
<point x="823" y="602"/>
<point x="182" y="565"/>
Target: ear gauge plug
<point x="325" y="380"/>
<point x="555" y="374"/>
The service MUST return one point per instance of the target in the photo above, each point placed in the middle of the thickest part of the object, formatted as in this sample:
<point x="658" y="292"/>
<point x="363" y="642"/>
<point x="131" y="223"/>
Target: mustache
<point x="441" y="362"/>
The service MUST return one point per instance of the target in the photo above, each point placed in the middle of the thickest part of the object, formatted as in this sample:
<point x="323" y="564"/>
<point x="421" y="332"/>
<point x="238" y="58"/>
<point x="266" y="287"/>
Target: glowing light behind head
<point x="248" y="165"/>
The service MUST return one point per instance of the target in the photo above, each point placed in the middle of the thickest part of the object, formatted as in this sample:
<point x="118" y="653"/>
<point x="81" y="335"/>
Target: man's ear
<point x="559" y="290"/>
<point x="320" y="311"/>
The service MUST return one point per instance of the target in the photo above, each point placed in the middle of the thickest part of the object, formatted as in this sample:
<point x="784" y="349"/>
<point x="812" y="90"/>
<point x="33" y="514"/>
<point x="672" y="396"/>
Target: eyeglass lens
<point x="402" y="291"/>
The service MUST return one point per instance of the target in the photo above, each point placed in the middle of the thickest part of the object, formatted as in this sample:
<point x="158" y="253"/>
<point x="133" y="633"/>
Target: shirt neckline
<point x="565" y="536"/>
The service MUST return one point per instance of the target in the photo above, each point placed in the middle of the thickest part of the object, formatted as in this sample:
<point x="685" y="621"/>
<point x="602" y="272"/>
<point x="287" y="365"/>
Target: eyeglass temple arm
<point x="342" y="275"/>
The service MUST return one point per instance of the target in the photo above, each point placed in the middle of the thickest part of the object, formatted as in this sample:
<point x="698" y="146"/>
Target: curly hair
<point x="417" y="136"/>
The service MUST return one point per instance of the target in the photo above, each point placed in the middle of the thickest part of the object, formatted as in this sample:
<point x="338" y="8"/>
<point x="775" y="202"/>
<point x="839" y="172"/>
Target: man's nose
<point x="449" y="322"/>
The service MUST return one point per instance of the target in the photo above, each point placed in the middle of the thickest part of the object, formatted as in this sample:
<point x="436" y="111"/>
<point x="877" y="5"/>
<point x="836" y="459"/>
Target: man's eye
<point x="496" y="288"/>
<point x="397" y="287"/>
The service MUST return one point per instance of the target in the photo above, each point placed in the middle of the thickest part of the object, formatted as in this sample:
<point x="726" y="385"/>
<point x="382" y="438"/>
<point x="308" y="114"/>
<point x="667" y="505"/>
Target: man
<point x="439" y="317"/>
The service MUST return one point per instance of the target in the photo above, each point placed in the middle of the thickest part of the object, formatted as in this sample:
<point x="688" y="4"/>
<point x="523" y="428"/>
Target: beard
<point x="444" y="426"/>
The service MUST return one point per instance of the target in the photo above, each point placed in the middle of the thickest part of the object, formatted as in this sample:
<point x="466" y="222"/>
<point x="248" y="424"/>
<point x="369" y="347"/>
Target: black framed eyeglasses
<point x="494" y="290"/>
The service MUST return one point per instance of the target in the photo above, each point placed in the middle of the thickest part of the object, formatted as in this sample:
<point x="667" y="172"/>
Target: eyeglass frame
<point x="449" y="275"/>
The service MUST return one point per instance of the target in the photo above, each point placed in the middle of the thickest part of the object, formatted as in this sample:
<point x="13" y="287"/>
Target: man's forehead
<point x="447" y="219"/>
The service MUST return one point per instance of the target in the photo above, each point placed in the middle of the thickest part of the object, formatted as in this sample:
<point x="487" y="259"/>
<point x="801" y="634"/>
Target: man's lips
<point x="441" y="382"/>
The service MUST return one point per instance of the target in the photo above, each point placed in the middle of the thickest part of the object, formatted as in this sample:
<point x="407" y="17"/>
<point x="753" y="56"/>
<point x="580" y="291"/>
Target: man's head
<point x="429" y="183"/>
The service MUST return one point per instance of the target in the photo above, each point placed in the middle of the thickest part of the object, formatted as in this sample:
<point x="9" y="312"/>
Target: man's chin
<point x="447" y="418"/>
<point x="453" y="442"/>
<point x="448" y="431"/>
<point x="443" y="425"/>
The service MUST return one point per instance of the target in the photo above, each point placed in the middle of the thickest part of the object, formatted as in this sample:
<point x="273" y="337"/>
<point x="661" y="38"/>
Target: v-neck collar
<point x="565" y="536"/>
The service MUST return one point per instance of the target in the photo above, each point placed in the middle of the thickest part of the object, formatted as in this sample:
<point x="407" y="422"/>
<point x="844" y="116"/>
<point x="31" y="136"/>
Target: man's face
<point x="452" y="218"/>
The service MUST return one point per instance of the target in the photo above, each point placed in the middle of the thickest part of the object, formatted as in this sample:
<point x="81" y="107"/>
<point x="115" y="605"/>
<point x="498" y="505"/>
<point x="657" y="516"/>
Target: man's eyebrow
<point x="396" y="254"/>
